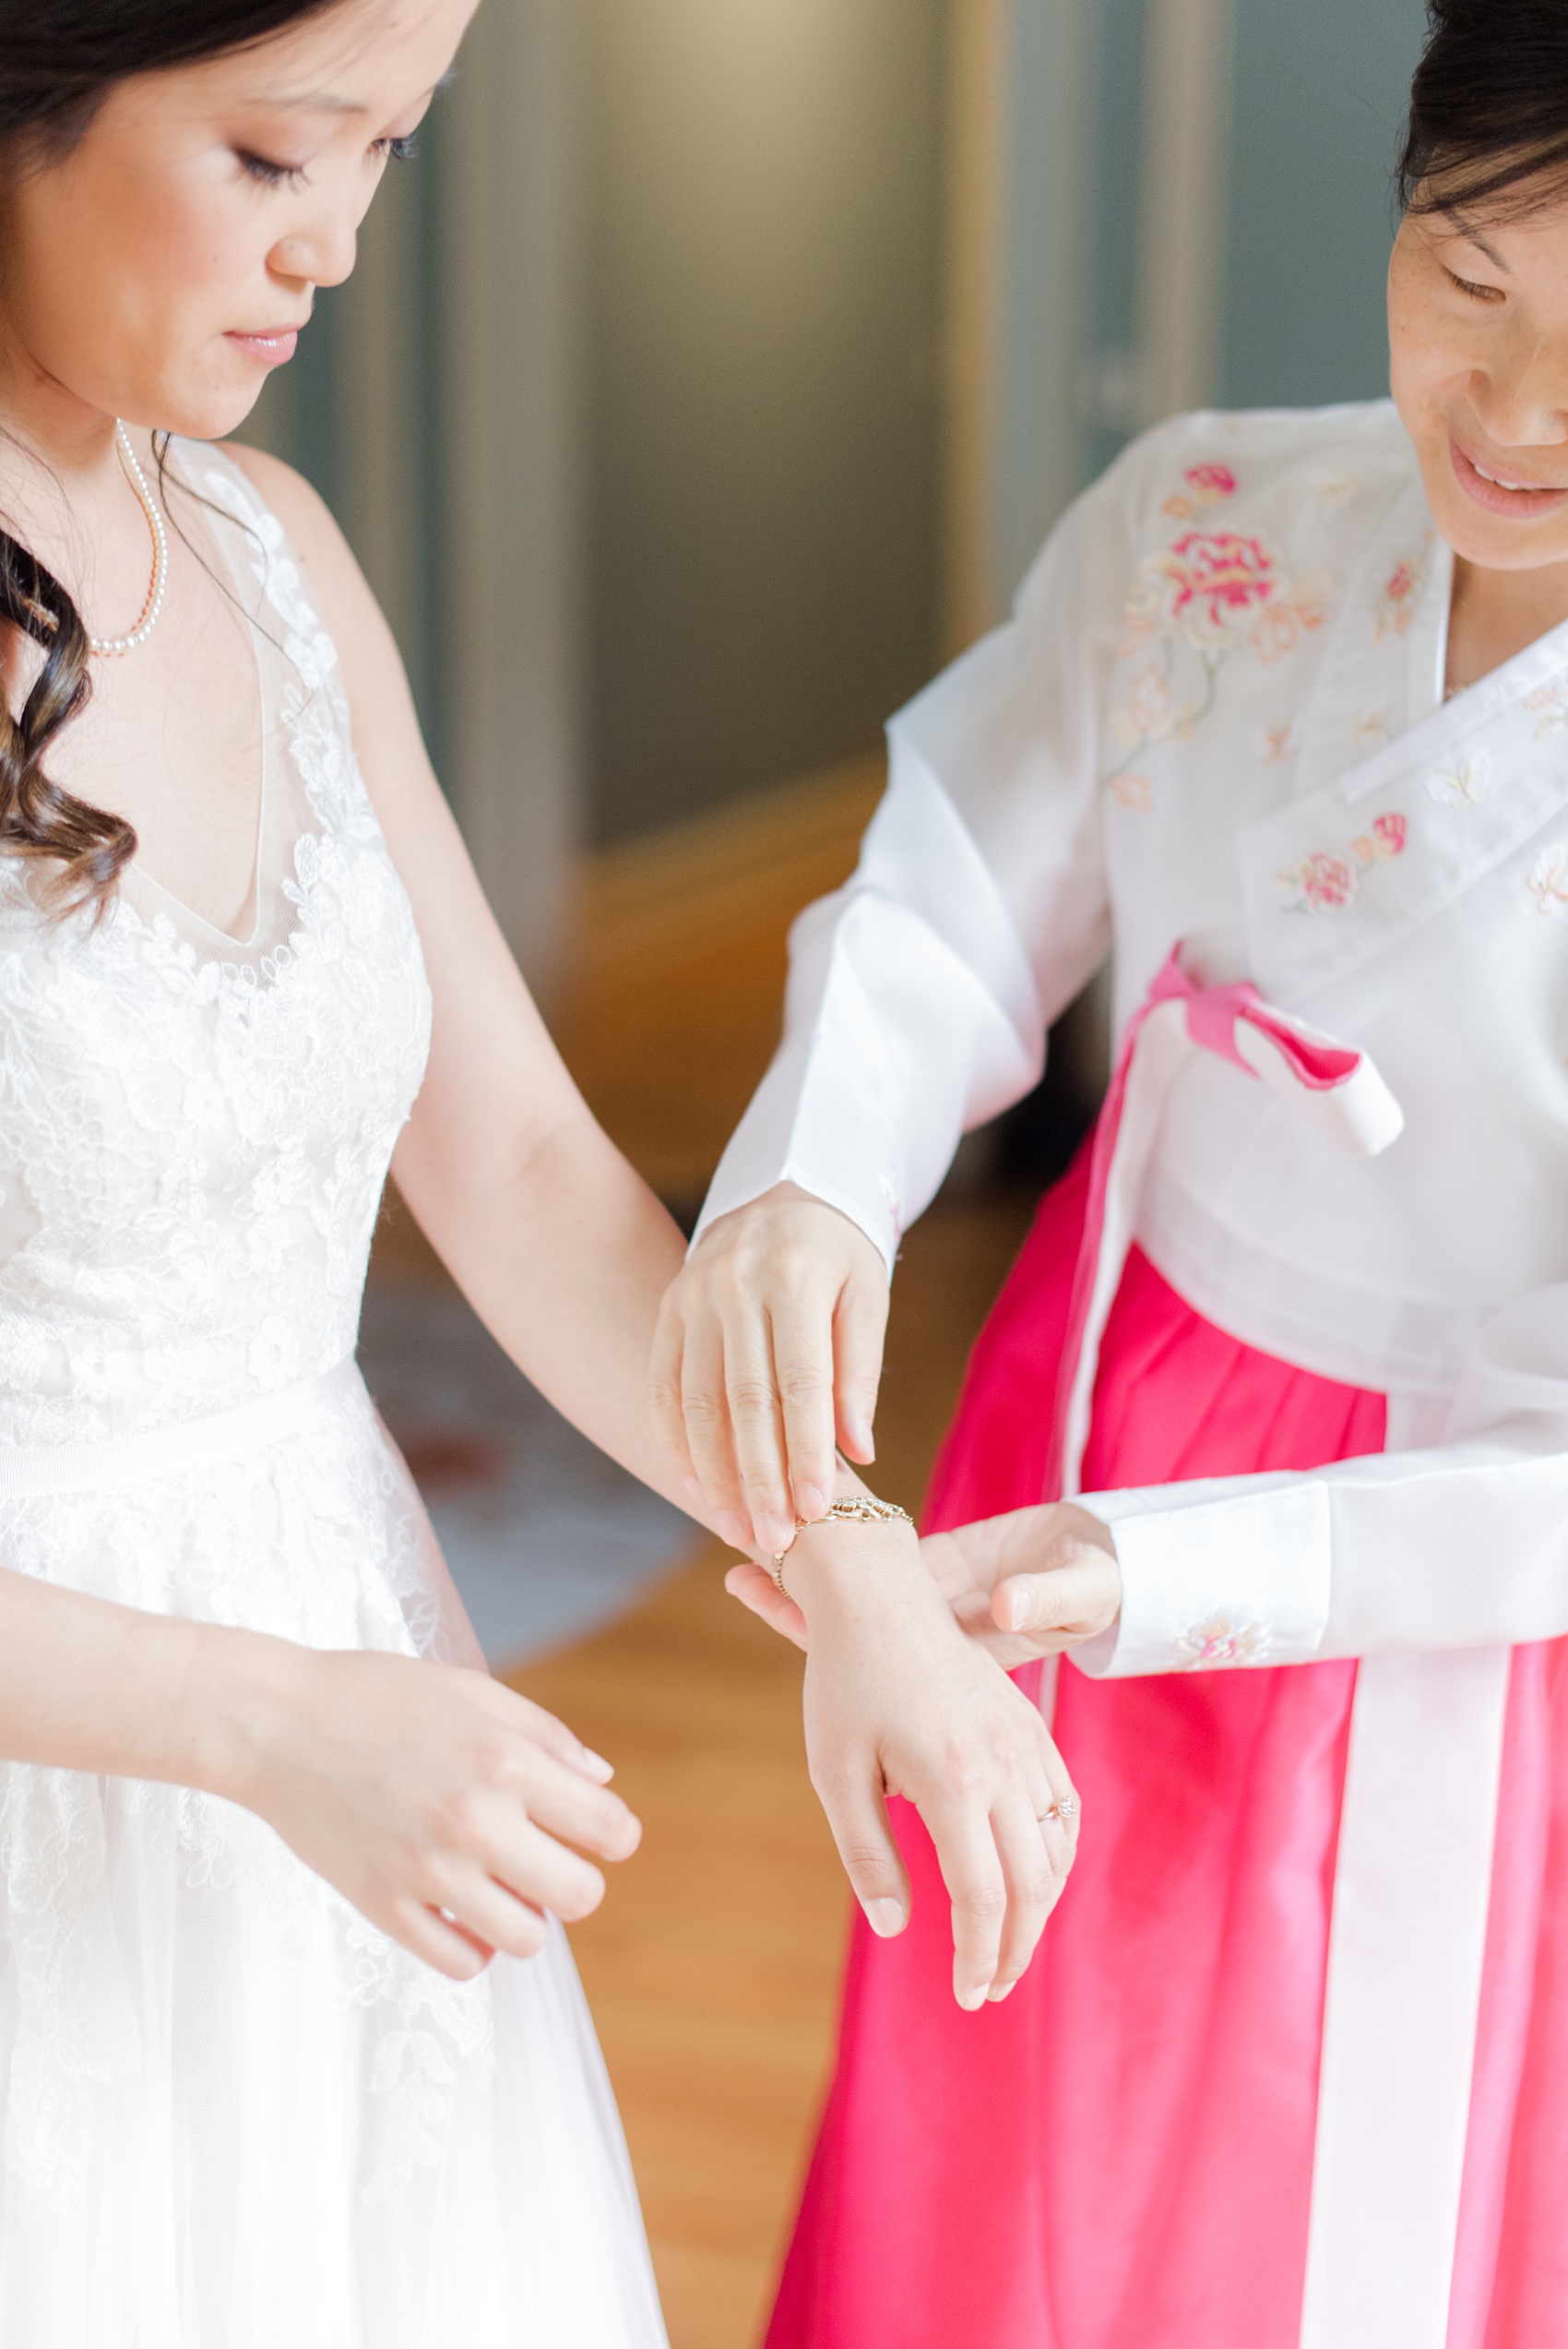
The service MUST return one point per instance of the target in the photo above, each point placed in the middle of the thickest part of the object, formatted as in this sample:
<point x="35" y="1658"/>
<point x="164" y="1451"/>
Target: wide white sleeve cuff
<point x="1214" y="1577"/>
<point x="1464" y="1545"/>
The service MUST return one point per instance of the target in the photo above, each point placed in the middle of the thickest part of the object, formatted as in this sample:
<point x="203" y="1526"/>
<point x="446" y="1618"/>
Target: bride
<point x="290" y="2045"/>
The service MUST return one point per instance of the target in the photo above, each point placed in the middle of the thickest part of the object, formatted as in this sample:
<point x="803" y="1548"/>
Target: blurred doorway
<point x="763" y="453"/>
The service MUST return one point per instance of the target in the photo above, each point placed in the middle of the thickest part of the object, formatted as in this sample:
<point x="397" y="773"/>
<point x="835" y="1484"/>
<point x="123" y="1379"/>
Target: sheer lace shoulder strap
<point x="263" y="558"/>
<point x="271" y="582"/>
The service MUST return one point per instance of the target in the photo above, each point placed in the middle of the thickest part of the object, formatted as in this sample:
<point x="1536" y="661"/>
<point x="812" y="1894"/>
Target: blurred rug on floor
<point x="546" y="1538"/>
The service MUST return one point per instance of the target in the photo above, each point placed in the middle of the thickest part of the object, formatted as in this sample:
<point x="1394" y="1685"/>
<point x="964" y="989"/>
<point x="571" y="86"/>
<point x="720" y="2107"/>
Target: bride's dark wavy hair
<point x="58" y="61"/>
<point x="1488" y="126"/>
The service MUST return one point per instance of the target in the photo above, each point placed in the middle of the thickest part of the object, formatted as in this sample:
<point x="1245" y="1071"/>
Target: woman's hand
<point x="768" y="1349"/>
<point x="1027" y="1584"/>
<point x="439" y="1802"/>
<point x="899" y="1702"/>
<point x="1031" y="1583"/>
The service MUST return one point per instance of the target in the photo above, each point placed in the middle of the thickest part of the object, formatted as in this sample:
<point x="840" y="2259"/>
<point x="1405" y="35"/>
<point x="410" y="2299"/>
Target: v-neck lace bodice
<point x="193" y="1133"/>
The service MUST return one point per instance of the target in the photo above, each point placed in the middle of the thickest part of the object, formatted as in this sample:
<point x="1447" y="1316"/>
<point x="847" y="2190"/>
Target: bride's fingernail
<point x="773" y="1534"/>
<point x="809" y="1502"/>
<point x="693" y="1491"/>
<point x="998" y="1991"/>
<point x="734" y="1529"/>
<point x="972" y="2000"/>
<point x="884" y="1917"/>
<point x="1017" y="1610"/>
<point x="597" y="1762"/>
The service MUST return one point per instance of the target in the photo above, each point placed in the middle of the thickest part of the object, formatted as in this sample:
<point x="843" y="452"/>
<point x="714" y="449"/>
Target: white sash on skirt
<point x="112" y="1460"/>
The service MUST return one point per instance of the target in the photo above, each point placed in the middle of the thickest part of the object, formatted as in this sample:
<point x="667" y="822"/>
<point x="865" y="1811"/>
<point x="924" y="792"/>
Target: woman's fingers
<point x="704" y="1404"/>
<point x="565" y="1804"/>
<point x="977" y="1887"/>
<point x="757" y="1589"/>
<point x="534" y="1872"/>
<point x="1065" y="1813"/>
<point x="857" y="1813"/>
<point x="439" y="1941"/>
<point x="542" y="1729"/>
<point x="757" y="1432"/>
<point x="664" y="1392"/>
<point x="803" y="1339"/>
<point x="1032" y="1849"/>
<point x="1073" y="1601"/>
<point x="860" y="1325"/>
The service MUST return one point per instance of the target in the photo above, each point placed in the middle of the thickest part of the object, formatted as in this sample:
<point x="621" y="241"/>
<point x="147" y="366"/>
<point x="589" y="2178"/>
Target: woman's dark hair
<point x="58" y="61"/>
<point x="1488" y="128"/>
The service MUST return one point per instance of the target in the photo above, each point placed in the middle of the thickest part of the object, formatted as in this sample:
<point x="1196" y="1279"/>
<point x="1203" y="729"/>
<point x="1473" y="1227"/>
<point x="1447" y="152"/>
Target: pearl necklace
<point x="110" y="647"/>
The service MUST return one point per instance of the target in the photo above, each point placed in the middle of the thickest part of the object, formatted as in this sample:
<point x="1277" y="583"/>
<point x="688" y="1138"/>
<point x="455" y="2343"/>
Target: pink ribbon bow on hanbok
<point x="1335" y="1086"/>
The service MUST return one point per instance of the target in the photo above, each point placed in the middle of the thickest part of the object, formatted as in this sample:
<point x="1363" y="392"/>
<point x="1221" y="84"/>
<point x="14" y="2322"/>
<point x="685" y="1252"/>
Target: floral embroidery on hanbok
<point x="1548" y="880"/>
<point x="1335" y="490"/>
<point x="1213" y="589"/>
<point x="1549" y="705"/>
<point x="1212" y="592"/>
<point x="1214" y="1645"/>
<point x="1368" y="728"/>
<point x="1323" y="882"/>
<point x="1131" y="791"/>
<point x="1401" y="592"/>
<point x="1463" y="785"/>
<point x="1273" y="745"/>
<point x="1149" y="703"/>
<point x="1206" y="484"/>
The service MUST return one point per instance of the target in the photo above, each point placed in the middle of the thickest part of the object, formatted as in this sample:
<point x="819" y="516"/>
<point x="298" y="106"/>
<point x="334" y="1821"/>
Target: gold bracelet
<point x="855" y="1509"/>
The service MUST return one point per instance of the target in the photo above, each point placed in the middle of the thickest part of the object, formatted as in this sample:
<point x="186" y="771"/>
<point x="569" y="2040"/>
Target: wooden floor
<point x="712" y="1967"/>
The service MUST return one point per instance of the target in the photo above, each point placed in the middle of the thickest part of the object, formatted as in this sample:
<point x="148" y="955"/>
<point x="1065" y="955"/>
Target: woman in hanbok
<point x="1282" y="715"/>
<point x="292" y="2054"/>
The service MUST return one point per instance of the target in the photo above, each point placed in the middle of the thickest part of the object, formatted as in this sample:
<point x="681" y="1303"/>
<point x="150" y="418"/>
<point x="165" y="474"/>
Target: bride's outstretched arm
<point x="566" y="1255"/>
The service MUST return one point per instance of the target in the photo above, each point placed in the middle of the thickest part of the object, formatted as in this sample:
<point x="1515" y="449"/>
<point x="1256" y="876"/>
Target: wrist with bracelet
<point x="855" y="1509"/>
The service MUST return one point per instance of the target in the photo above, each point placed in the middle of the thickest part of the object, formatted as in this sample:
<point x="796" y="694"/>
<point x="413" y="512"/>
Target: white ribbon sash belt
<point x="1413" y="1868"/>
<point x="112" y="1460"/>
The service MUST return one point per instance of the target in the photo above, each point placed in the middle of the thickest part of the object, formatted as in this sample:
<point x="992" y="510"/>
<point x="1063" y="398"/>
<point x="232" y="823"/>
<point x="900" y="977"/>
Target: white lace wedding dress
<point x="235" y="2115"/>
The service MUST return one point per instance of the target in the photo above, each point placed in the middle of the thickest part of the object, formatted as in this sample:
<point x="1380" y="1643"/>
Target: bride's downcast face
<point x="162" y="268"/>
<point x="1478" y="326"/>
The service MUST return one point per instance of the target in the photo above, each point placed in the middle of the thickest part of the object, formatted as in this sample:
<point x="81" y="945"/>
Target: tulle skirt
<point x="235" y="2114"/>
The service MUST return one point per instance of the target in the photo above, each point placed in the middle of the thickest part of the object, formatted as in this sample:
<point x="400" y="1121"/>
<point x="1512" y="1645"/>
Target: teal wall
<point x="1318" y="105"/>
<point x="1115" y="208"/>
<point x="764" y="444"/>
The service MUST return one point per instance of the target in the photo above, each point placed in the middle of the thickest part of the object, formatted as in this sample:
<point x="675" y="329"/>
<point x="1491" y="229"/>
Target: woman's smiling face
<point x="158" y="269"/>
<point x="1477" y="329"/>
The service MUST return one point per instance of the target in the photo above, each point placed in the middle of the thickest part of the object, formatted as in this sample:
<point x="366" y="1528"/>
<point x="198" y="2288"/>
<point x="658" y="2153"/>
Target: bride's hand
<point x="899" y="1702"/>
<point x="1030" y="1584"/>
<point x="768" y="1348"/>
<point x="438" y="1801"/>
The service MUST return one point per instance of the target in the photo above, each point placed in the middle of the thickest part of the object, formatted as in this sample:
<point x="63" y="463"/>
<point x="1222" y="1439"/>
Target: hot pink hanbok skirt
<point x="1120" y="2156"/>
